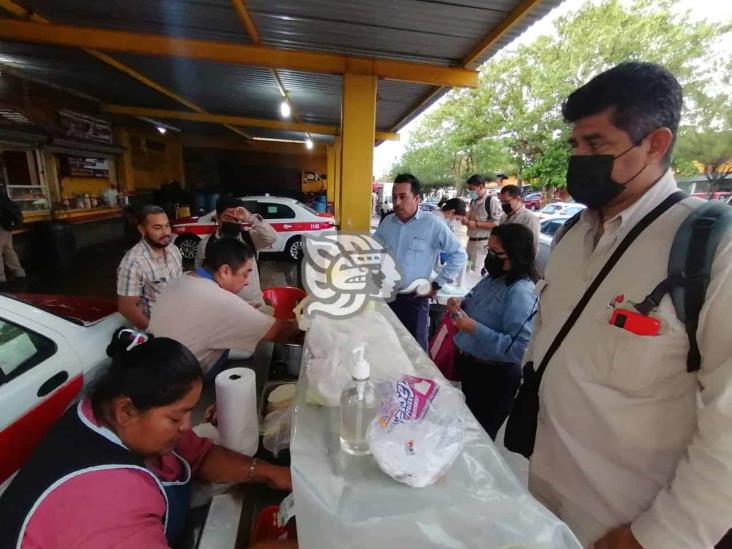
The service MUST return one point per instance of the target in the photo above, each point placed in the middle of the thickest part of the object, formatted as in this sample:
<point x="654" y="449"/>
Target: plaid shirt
<point x="141" y="273"/>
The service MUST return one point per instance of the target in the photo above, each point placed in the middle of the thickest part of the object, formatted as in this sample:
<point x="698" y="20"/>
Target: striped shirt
<point x="144" y="274"/>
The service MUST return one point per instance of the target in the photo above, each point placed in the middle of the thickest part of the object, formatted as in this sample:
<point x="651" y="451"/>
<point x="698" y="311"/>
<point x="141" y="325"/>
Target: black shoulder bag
<point x="521" y="426"/>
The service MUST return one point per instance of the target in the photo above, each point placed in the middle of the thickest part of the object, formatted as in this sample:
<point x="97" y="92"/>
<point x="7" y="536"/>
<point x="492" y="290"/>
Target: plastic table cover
<point x="343" y="501"/>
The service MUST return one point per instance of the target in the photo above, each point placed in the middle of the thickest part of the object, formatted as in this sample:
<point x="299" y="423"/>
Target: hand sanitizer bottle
<point x="359" y="406"/>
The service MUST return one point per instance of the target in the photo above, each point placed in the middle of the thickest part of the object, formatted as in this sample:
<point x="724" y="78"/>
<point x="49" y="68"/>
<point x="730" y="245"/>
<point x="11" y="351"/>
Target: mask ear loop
<point x="633" y="146"/>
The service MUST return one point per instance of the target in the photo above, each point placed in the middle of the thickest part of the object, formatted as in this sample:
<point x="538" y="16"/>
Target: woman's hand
<point x="465" y="324"/>
<point x="275" y="476"/>
<point x="453" y="304"/>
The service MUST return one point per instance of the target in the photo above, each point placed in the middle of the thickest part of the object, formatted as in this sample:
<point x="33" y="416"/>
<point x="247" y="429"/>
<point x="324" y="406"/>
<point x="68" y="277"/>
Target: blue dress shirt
<point x="416" y="244"/>
<point x="502" y="331"/>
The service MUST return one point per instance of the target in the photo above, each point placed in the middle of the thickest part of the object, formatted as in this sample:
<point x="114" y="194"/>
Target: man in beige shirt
<point x="201" y="309"/>
<point x="258" y="234"/>
<point x="633" y="448"/>
<point x="484" y="214"/>
<point x="515" y="212"/>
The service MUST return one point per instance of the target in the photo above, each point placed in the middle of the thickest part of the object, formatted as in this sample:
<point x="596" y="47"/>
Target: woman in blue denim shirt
<point x="495" y="323"/>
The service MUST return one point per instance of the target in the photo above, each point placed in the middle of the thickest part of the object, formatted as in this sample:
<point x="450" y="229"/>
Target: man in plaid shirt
<point x="147" y="267"/>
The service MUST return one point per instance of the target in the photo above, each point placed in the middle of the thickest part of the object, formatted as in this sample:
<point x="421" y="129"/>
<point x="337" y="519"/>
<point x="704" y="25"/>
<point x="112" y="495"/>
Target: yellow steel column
<point x="337" y="149"/>
<point x="330" y="193"/>
<point x="358" y="120"/>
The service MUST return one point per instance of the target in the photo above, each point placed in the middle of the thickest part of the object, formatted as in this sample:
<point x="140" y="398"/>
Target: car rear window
<point x="271" y="210"/>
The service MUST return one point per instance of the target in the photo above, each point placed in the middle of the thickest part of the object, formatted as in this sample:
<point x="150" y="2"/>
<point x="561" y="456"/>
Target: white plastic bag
<point x="420" y="432"/>
<point x="330" y="343"/>
<point x="277" y="429"/>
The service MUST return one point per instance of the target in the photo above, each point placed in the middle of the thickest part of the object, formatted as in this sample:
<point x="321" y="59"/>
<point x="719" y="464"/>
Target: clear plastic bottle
<point x="359" y="405"/>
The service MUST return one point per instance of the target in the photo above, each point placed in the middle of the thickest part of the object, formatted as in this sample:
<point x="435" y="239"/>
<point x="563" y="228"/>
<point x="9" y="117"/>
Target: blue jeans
<point x="414" y="312"/>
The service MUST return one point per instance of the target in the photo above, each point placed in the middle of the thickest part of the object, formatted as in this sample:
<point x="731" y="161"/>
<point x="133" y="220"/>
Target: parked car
<point x="289" y="218"/>
<point x="722" y="196"/>
<point x="546" y="237"/>
<point x="533" y="201"/>
<point x="428" y="206"/>
<point x="50" y="348"/>
<point x="560" y="209"/>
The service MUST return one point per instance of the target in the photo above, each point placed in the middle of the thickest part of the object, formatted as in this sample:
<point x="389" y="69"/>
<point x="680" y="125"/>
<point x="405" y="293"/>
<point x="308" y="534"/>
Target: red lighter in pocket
<point x="635" y="322"/>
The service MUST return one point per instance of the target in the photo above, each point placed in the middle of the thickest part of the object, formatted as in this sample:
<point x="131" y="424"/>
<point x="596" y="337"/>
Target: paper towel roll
<point x="236" y="401"/>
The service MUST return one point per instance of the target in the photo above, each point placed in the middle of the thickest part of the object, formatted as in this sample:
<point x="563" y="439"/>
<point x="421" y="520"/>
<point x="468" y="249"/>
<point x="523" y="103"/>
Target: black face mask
<point x="494" y="264"/>
<point x="589" y="179"/>
<point x="506" y="207"/>
<point x="230" y="229"/>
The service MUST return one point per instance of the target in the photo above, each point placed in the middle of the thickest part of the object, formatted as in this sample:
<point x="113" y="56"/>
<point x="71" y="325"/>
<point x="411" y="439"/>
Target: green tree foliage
<point x="512" y="122"/>
<point x="711" y="150"/>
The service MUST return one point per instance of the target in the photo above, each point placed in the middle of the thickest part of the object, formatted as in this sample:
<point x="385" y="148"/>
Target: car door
<point x="40" y="376"/>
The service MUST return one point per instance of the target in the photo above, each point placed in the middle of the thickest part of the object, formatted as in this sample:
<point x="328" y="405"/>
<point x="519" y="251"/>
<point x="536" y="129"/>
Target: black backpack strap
<point x="617" y="254"/>
<point x="691" y="258"/>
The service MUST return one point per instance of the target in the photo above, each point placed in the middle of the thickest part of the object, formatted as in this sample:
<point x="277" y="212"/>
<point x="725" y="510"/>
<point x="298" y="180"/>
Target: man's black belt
<point x="479" y="238"/>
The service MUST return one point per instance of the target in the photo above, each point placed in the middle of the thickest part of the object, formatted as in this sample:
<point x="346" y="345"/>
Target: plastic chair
<point x="284" y="299"/>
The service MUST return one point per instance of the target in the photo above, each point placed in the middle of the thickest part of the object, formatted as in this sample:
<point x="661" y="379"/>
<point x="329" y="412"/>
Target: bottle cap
<point x="360" y="369"/>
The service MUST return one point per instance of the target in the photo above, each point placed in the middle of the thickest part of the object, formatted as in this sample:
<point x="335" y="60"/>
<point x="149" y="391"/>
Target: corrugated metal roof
<point x="204" y="19"/>
<point x="441" y="32"/>
<point x="76" y="70"/>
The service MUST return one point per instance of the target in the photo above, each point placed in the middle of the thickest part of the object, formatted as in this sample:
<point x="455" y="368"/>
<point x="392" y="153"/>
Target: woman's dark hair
<point x="153" y="374"/>
<point x="518" y="241"/>
<point x="454" y="204"/>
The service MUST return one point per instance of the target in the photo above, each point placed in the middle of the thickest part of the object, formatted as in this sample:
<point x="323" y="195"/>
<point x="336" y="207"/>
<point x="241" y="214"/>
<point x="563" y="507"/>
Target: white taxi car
<point x="289" y="218"/>
<point x="50" y="347"/>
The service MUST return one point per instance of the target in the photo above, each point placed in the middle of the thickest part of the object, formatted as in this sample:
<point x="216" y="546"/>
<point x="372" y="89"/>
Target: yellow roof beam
<point x="159" y="45"/>
<point x="499" y="30"/>
<point x="320" y="129"/>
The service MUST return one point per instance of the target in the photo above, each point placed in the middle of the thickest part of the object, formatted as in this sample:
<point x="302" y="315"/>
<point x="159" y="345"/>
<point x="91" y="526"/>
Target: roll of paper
<point x="236" y="401"/>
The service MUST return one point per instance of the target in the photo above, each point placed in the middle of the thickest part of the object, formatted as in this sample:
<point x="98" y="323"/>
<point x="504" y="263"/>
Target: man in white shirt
<point x="513" y="207"/>
<point x="631" y="449"/>
<point x="257" y="234"/>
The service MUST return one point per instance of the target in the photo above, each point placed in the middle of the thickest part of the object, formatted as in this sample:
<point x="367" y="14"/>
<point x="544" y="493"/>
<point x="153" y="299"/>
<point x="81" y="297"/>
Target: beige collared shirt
<point x="478" y="213"/>
<point x="528" y="219"/>
<point x="625" y="435"/>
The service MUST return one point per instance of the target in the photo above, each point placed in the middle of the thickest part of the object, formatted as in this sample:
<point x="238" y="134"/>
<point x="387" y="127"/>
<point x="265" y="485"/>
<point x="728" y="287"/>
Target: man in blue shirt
<point x="415" y="239"/>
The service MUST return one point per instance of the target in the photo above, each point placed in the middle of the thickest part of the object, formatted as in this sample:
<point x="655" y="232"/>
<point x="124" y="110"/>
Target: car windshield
<point x="552" y="209"/>
<point x="550" y="227"/>
<point x="573" y="210"/>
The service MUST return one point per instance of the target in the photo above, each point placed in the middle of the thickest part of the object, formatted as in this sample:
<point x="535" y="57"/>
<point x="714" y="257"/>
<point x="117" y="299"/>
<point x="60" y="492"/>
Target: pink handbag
<point x="442" y="349"/>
